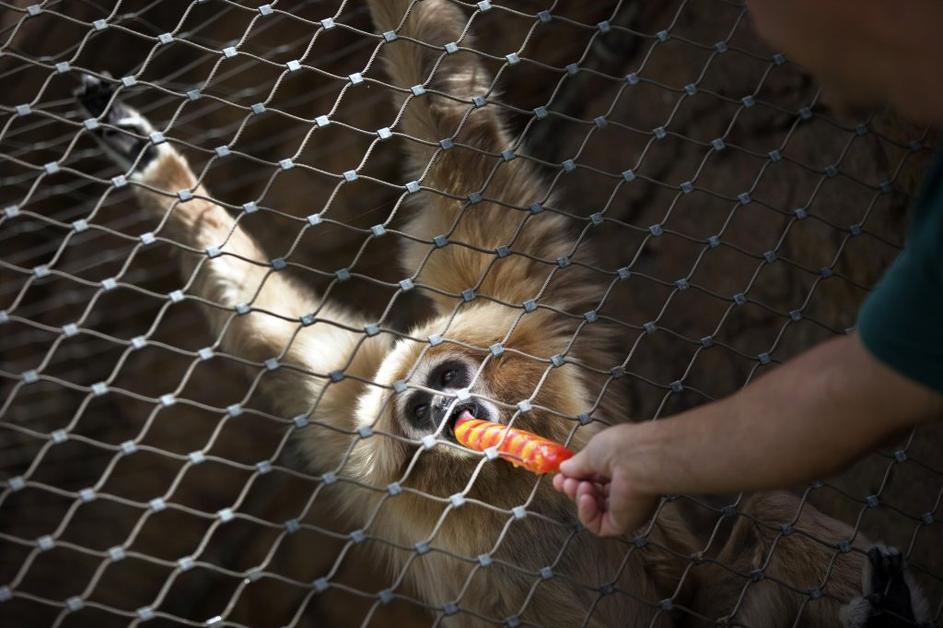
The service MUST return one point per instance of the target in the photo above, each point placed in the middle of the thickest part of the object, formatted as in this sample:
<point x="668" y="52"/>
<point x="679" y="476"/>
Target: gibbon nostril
<point x="429" y="414"/>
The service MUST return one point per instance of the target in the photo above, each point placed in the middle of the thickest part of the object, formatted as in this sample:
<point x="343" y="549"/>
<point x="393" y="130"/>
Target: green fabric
<point x="902" y="321"/>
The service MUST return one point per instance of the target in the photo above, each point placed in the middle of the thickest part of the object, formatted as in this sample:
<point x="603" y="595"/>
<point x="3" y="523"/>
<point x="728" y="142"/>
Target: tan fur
<point x="546" y="537"/>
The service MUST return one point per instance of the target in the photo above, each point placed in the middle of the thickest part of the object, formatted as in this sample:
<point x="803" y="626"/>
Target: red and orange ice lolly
<point x="519" y="447"/>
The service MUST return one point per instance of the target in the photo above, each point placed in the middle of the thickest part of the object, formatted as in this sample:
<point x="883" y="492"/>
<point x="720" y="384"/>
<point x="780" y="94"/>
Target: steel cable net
<point x="674" y="213"/>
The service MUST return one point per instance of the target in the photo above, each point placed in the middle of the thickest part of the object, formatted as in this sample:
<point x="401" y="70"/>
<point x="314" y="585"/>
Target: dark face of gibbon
<point x="455" y="376"/>
<point x="446" y="382"/>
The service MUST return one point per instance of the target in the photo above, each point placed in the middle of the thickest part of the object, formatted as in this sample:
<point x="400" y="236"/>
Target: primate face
<point x="446" y="386"/>
<point x="436" y="384"/>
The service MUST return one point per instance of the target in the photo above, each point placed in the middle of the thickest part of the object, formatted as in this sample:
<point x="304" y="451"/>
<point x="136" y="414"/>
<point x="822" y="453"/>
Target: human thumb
<point x="581" y="465"/>
<point x="594" y="461"/>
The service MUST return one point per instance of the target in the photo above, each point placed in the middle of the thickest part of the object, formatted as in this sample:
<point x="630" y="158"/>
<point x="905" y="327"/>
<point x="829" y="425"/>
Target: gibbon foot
<point x="123" y="132"/>
<point x="891" y="598"/>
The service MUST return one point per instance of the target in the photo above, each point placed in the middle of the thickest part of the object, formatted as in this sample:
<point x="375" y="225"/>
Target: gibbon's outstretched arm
<point x="454" y="107"/>
<point x="233" y="271"/>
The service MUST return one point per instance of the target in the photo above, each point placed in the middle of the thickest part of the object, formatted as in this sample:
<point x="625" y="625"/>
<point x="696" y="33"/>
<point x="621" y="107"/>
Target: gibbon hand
<point x="809" y="418"/>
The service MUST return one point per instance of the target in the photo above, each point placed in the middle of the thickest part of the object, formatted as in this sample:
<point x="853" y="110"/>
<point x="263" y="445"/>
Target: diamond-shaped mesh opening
<point x="184" y="409"/>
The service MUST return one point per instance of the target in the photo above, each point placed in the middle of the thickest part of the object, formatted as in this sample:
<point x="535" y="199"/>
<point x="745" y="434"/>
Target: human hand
<point x="609" y="498"/>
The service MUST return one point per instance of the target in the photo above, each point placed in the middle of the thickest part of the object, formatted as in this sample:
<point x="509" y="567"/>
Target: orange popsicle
<point x="519" y="447"/>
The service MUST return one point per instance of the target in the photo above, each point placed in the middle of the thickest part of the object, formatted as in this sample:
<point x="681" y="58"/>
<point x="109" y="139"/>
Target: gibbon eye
<point x="448" y="376"/>
<point x="420" y="410"/>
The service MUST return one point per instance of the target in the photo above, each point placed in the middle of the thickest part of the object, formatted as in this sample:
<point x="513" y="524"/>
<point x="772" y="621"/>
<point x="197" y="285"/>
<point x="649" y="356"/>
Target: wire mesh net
<point x="714" y="213"/>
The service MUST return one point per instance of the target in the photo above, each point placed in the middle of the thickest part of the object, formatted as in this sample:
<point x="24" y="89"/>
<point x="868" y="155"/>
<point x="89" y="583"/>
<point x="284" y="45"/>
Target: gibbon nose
<point x="444" y="408"/>
<point x="440" y="407"/>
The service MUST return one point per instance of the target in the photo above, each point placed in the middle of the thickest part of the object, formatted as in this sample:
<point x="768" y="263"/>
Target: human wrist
<point x="639" y="457"/>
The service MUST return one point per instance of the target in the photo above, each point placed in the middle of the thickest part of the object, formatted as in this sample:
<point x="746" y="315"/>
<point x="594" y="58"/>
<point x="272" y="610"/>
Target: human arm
<point x="809" y="418"/>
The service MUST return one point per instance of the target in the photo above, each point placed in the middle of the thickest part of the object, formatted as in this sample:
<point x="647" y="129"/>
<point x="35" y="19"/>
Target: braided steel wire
<point x="121" y="418"/>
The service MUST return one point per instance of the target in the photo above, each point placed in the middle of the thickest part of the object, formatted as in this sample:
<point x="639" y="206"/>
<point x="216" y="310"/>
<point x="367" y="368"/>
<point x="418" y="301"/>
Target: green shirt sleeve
<point x="901" y="322"/>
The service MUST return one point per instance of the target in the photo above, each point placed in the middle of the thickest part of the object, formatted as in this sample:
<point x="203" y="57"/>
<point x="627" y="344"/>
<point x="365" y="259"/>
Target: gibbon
<point x="483" y="542"/>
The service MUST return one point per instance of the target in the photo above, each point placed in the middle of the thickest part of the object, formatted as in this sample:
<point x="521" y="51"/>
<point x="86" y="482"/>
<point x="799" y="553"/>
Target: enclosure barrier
<point x="733" y="220"/>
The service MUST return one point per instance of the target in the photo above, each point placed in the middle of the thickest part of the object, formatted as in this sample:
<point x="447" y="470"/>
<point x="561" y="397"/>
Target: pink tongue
<point x="464" y="416"/>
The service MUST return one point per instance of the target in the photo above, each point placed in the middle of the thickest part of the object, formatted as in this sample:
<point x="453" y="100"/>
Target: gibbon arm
<point x="227" y="268"/>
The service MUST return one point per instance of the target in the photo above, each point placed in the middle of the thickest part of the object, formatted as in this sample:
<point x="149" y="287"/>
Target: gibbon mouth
<point x="461" y="412"/>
